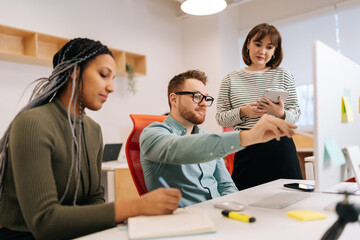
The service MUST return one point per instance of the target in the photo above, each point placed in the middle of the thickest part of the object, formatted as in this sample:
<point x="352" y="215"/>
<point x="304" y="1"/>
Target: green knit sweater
<point x="38" y="166"/>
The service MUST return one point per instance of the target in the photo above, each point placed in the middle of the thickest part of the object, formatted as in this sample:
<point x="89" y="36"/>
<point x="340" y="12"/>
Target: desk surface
<point x="307" y="150"/>
<point x="270" y="223"/>
<point x="112" y="165"/>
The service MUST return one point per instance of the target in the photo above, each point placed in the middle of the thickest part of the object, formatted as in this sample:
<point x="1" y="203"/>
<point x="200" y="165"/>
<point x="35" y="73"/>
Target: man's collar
<point x="178" y="127"/>
<point x="195" y="130"/>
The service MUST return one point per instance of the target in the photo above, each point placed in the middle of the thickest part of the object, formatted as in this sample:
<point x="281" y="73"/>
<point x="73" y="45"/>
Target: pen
<point x="238" y="216"/>
<point x="165" y="185"/>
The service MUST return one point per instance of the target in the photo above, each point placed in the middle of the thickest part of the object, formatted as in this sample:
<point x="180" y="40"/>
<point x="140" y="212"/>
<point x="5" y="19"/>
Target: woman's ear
<point x="77" y="73"/>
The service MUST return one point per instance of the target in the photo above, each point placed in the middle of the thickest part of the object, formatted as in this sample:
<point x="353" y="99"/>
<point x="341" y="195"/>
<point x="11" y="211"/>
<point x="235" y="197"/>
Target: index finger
<point x="174" y="192"/>
<point x="285" y="127"/>
<point x="267" y="100"/>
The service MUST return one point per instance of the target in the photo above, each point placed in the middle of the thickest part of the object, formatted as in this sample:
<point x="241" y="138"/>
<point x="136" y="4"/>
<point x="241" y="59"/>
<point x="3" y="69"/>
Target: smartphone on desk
<point x="300" y="186"/>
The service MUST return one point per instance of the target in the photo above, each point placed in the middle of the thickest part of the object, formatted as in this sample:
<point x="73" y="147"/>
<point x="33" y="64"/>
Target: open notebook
<point x="183" y="221"/>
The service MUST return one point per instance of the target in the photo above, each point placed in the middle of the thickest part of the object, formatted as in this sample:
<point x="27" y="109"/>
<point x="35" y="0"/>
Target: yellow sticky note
<point x="305" y="215"/>
<point x="346" y="115"/>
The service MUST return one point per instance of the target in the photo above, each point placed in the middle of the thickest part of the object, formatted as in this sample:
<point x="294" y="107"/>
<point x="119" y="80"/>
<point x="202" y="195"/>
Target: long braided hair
<point x="73" y="55"/>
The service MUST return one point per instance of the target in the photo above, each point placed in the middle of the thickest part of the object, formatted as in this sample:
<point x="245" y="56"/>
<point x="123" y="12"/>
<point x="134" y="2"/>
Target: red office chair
<point x="132" y="149"/>
<point x="229" y="159"/>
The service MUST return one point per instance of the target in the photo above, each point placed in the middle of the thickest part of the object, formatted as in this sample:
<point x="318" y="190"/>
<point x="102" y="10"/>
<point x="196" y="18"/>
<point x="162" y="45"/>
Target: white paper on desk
<point x="182" y="222"/>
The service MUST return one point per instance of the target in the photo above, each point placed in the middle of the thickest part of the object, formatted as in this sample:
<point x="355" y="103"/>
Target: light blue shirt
<point x="192" y="163"/>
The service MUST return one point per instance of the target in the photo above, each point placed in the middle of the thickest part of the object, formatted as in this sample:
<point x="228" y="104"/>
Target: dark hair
<point x="83" y="49"/>
<point x="80" y="50"/>
<point x="76" y="53"/>
<point x="259" y="32"/>
<point x="177" y="82"/>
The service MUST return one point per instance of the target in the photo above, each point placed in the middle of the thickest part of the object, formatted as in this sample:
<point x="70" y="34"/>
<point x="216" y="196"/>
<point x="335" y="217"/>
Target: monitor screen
<point x="335" y="76"/>
<point x="111" y="152"/>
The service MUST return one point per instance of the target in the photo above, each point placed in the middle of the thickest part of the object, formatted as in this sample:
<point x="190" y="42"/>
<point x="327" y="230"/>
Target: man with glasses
<point x="186" y="156"/>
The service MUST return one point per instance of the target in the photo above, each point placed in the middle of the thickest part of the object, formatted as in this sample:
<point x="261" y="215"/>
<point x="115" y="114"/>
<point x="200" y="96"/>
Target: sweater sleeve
<point x="226" y="115"/>
<point x="292" y="108"/>
<point x="31" y="144"/>
<point x="97" y="197"/>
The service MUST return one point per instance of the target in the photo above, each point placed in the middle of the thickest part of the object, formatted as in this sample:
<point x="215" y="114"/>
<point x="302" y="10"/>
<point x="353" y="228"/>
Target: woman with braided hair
<point x="50" y="155"/>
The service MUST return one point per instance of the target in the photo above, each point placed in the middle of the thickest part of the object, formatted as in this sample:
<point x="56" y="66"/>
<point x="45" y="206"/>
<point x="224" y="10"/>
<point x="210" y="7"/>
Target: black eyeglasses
<point x="198" y="97"/>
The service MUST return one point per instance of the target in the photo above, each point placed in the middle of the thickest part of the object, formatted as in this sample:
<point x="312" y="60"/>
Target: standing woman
<point x="239" y="106"/>
<point x="50" y="156"/>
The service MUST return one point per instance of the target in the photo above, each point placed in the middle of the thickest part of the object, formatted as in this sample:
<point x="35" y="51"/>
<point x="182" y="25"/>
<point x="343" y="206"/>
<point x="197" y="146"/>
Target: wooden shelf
<point x="29" y="47"/>
<point x="119" y="57"/>
<point x="137" y="61"/>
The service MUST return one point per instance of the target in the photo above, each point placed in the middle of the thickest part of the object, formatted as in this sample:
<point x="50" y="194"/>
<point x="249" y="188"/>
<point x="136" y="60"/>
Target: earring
<point x="273" y="57"/>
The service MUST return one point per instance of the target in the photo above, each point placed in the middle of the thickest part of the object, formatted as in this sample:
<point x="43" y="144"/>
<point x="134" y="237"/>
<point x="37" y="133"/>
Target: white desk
<point x="270" y="224"/>
<point x="306" y="171"/>
<point x="108" y="178"/>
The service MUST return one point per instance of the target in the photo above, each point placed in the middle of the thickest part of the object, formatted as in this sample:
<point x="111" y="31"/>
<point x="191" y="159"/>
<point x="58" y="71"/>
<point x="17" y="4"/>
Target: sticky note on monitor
<point x="346" y="111"/>
<point x="332" y="152"/>
<point x="347" y="93"/>
<point x="305" y="215"/>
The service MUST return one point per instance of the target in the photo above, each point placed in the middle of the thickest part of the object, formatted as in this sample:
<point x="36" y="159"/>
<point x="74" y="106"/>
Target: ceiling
<point x="252" y="12"/>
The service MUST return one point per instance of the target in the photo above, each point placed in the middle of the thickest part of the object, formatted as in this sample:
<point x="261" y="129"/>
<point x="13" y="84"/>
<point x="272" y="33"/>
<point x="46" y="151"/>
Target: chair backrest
<point x="229" y="159"/>
<point x="132" y="148"/>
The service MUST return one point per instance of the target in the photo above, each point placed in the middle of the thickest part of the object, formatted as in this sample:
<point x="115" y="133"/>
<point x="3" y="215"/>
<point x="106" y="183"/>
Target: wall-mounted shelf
<point x="24" y="46"/>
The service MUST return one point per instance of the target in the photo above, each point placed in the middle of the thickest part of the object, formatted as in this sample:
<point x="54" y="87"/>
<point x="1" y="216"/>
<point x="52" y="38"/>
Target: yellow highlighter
<point x="238" y="216"/>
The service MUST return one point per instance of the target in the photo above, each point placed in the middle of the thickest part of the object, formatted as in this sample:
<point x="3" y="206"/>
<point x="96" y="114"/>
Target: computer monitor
<point x="335" y="76"/>
<point x="111" y="152"/>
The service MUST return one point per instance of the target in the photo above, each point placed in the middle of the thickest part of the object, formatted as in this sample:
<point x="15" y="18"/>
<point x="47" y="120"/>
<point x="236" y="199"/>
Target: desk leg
<point x="301" y="157"/>
<point x="108" y="183"/>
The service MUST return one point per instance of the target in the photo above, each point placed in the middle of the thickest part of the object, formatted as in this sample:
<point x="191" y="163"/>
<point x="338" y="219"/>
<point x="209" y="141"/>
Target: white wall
<point x="141" y="26"/>
<point x="202" y="51"/>
<point x="230" y="49"/>
<point x="211" y="45"/>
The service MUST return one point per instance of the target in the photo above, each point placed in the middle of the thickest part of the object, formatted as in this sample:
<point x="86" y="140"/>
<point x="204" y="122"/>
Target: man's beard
<point x="190" y="116"/>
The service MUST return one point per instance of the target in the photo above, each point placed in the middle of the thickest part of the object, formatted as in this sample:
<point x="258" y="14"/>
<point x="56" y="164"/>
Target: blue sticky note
<point x="333" y="153"/>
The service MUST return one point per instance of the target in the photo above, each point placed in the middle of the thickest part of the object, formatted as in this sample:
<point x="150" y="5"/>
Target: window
<point x="305" y="95"/>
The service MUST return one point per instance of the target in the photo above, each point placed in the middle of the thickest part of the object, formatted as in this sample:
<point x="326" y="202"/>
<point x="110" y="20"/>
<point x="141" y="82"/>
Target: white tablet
<point x="273" y="95"/>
